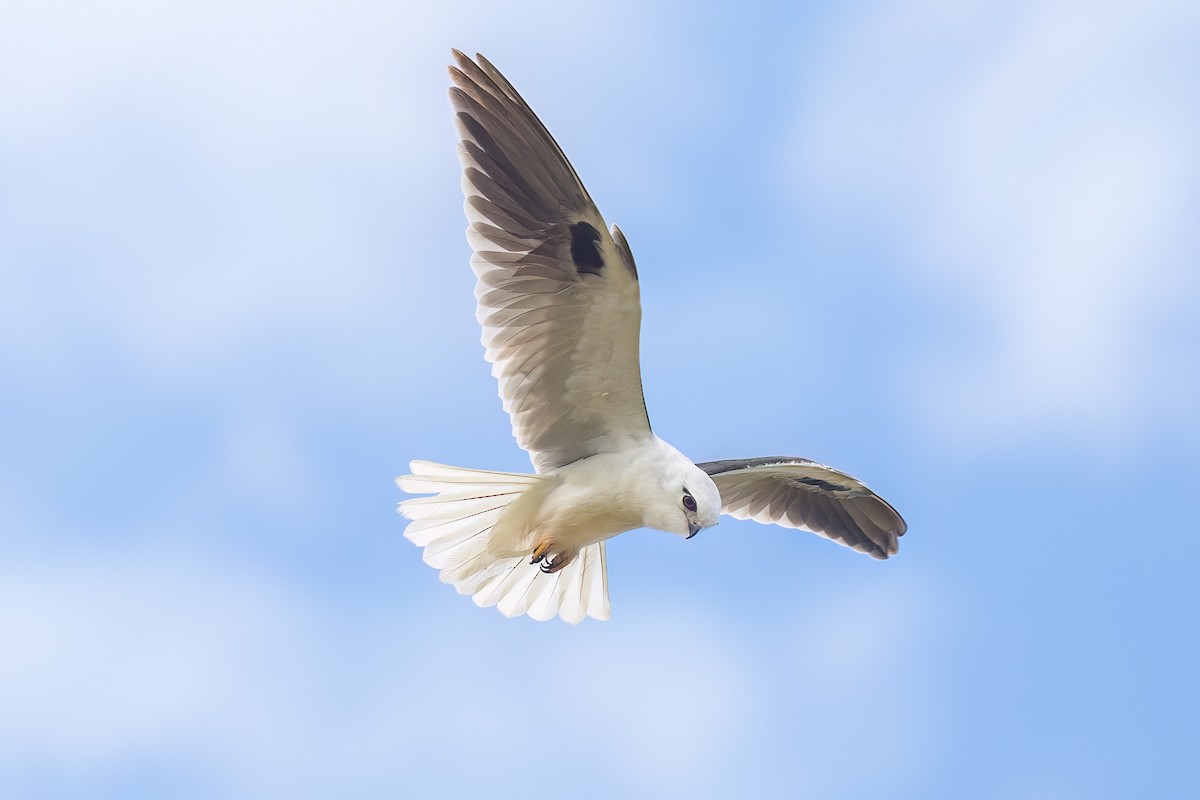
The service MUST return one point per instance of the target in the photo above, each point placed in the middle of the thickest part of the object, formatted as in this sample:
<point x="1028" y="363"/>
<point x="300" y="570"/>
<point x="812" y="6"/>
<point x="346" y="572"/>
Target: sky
<point x="949" y="248"/>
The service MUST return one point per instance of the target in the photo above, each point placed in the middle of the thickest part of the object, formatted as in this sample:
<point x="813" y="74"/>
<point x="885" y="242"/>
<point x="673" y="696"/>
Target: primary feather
<point x="557" y="296"/>
<point x="799" y="493"/>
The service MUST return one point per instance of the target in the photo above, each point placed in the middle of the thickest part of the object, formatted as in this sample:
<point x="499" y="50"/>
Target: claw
<point x="556" y="563"/>
<point x="539" y="553"/>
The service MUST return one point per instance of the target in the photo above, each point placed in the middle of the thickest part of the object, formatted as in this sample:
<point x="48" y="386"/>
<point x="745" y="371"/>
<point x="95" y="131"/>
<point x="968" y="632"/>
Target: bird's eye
<point x="689" y="502"/>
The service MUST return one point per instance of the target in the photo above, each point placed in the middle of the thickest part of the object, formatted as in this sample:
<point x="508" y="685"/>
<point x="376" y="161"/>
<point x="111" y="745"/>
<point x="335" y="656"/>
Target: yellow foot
<point x="539" y="552"/>
<point x="551" y="564"/>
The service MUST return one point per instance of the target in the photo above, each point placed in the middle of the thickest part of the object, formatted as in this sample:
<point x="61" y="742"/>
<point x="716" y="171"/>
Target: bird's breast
<point x="595" y="499"/>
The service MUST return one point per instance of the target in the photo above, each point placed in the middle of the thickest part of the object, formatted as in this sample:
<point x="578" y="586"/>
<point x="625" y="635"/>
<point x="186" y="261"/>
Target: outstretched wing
<point x="558" y="294"/>
<point x="799" y="493"/>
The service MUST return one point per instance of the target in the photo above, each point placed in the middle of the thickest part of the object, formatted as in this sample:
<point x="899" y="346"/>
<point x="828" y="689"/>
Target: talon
<point x="556" y="563"/>
<point x="539" y="552"/>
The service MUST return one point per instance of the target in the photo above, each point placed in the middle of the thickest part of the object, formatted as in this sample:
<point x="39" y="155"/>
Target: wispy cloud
<point x="215" y="672"/>
<point x="1034" y="165"/>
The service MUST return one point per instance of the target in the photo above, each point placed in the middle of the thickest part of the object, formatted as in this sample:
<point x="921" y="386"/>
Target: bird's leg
<point x="539" y="552"/>
<point x="551" y="563"/>
<point x="559" y="561"/>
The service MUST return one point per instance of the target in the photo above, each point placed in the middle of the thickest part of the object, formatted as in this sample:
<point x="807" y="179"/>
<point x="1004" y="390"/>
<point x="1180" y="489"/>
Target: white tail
<point x="454" y="528"/>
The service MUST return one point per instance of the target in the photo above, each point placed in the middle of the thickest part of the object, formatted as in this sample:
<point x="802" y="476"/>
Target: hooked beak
<point x="692" y="530"/>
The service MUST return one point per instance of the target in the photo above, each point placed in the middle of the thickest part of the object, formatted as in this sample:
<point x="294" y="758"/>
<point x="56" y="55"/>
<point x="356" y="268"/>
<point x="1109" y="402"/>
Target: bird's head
<point x="686" y="499"/>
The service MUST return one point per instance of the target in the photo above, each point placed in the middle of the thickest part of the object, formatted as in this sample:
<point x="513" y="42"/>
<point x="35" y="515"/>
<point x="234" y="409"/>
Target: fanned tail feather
<point x="454" y="527"/>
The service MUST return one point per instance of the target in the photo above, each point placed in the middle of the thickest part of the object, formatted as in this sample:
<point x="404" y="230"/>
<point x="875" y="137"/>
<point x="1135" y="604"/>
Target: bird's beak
<point x="692" y="530"/>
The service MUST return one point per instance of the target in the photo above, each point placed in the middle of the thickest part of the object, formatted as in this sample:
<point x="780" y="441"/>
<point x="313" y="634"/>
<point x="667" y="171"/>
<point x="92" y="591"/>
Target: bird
<point x="558" y="300"/>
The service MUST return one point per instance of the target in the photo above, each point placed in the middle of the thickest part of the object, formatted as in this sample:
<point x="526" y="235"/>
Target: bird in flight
<point x="558" y="299"/>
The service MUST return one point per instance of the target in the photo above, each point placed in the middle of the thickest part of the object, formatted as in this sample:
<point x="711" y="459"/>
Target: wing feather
<point x="799" y="493"/>
<point x="557" y="293"/>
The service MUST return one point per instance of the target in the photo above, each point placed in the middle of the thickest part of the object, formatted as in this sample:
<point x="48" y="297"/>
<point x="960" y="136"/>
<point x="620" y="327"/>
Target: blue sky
<point x="950" y="248"/>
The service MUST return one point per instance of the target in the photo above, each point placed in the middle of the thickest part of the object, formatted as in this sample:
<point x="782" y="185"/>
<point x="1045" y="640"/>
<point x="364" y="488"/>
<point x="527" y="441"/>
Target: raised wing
<point x="557" y="294"/>
<point x="798" y="493"/>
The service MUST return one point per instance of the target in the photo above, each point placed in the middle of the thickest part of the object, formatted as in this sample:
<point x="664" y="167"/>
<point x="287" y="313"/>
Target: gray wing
<point x="557" y="293"/>
<point x="799" y="493"/>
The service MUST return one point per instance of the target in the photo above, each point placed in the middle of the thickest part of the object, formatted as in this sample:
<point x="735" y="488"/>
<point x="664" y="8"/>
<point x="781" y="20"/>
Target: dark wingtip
<point x="880" y="550"/>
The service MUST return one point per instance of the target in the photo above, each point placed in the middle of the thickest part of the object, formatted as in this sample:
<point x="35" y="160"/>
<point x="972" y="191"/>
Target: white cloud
<point x="218" y="672"/>
<point x="1036" y="162"/>
<point x="195" y="191"/>
<point x="105" y="658"/>
<point x="868" y="721"/>
<point x="215" y="672"/>
<point x="671" y="701"/>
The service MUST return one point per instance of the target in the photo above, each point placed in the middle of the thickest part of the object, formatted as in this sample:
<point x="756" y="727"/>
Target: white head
<point x="685" y="499"/>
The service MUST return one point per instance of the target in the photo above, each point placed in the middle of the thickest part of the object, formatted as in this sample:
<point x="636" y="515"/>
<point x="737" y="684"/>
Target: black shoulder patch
<point x="817" y="483"/>
<point x="585" y="248"/>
